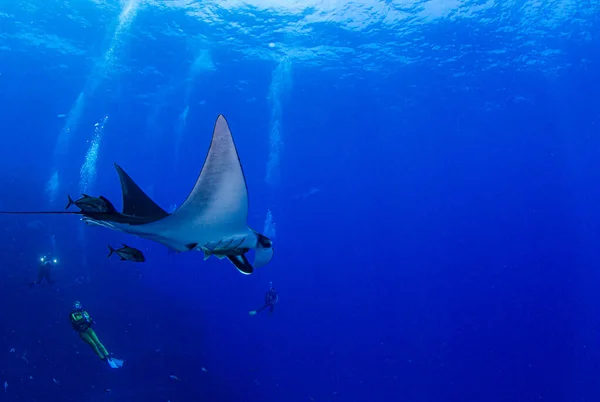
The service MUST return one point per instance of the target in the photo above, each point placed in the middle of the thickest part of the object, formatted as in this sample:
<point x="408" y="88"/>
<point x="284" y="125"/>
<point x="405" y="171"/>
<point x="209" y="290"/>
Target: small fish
<point x="5" y="386"/>
<point x="127" y="253"/>
<point x="174" y="377"/>
<point x="12" y="350"/>
<point x="91" y="204"/>
<point x="56" y="381"/>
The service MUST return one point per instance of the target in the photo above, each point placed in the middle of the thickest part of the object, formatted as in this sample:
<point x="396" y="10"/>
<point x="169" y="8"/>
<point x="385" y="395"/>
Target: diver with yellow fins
<point x="82" y="323"/>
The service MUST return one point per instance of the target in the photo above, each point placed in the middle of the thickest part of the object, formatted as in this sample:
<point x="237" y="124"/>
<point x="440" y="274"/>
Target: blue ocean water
<point x="427" y="170"/>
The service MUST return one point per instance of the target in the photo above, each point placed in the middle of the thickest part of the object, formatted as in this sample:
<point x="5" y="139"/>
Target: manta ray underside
<point x="213" y="218"/>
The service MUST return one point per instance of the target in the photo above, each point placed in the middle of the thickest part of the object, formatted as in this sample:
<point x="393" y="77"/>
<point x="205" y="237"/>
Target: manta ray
<point x="212" y="219"/>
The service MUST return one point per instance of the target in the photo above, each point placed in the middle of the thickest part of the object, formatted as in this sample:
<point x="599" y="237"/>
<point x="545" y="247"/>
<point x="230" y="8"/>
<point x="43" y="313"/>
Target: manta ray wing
<point x="215" y="209"/>
<point x="135" y="201"/>
<point x="217" y="206"/>
<point x="220" y="196"/>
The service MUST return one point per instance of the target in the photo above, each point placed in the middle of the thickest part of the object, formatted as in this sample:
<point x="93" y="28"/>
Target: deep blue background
<point x="449" y="254"/>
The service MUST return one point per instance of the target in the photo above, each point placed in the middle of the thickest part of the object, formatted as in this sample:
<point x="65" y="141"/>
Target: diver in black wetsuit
<point x="271" y="299"/>
<point x="46" y="265"/>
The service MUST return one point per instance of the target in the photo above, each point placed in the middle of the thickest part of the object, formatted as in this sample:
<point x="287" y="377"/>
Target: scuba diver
<point x="271" y="299"/>
<point x="82" y="323"/>
<point x="46" y="265"/>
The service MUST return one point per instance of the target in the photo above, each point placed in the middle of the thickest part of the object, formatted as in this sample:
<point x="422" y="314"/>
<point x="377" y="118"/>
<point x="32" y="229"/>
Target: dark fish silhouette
<point x="91" y="204"/>
<point x="127" y="253"/>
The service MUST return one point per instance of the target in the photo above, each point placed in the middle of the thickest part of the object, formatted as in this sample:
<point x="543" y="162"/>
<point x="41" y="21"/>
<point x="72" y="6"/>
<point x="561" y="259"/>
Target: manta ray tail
<point x="41" y="213"/>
